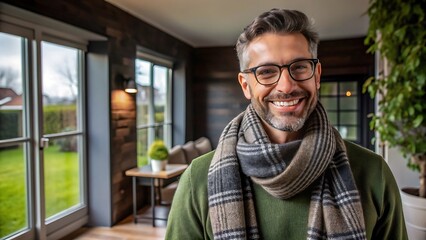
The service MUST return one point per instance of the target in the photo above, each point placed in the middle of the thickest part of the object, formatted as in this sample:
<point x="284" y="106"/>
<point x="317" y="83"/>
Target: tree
<point x="69" y="77"/>
<point x="8" y="78"/>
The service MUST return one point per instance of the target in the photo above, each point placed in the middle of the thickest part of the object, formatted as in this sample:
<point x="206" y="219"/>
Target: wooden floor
<point x="125" y="230"/>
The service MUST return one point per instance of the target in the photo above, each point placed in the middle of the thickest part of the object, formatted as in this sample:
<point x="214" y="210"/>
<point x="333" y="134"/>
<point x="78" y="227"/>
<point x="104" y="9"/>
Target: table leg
<point x="135" y="202"/>
<point x="153" y="201"/>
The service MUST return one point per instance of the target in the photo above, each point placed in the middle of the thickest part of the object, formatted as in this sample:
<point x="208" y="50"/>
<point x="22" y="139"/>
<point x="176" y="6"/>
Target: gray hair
<point x="277" y="21"/>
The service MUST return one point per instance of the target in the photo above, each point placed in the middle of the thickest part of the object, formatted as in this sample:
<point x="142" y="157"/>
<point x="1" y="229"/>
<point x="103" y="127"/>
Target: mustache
<point x="281" y="95"/>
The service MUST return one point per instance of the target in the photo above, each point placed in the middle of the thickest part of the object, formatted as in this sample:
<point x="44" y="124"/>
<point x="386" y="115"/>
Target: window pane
<point x="159" y="132"/>
<point x="348" y="88"/>
<point x="13" y="193"/>
<point x="350" y="118"/>
<point x="62" y="175"/>
<point x="328" y="88"/>
<point x="332" y="117"/>
<point x="142" y="146"/>
<point x="160" y="93"/>
<point x="349" y="103"/>
<point x="330" y="103"/>
<point x="349" y="133"/>
<point x="60" y="88"/>
<point x="143" y="97"/>
<point x="11" y="86"/>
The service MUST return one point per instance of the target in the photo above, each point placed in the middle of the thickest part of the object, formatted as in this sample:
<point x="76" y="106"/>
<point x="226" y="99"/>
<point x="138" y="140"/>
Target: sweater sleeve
<point x="184" y="221"/>
<point x="189" y="217"/>
<point x="379" y="194"/>
<point x="390" y="223"/>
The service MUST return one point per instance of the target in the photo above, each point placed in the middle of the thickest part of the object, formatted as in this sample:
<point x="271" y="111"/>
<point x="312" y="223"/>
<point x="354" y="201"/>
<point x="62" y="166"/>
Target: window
<point x="153" y="100"/>
<point x="347" y="107"/>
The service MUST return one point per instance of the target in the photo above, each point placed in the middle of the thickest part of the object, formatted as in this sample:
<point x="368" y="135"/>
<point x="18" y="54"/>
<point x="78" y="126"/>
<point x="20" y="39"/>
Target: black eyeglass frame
<point x="253" y="70"/>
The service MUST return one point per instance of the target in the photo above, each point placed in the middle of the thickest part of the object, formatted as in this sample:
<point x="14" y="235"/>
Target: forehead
<point x="277" y="48"/>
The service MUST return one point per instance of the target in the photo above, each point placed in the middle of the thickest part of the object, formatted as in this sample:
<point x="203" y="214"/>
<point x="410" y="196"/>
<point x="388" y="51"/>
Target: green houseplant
<point x="397" y="32"/>
<point x="158" y="153"/>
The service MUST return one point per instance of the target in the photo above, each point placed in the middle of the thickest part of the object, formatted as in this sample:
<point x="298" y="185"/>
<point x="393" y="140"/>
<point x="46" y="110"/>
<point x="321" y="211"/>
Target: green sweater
<point x="288" y="219"/>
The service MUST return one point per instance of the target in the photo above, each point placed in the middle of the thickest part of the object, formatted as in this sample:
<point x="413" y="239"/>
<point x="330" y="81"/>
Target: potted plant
<point x="158" y="154"/>
<point x="397" y="32"/>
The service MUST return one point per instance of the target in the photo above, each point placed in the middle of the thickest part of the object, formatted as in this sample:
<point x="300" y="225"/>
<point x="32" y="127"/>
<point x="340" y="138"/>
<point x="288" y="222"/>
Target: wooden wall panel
<point x="218" y="97"/>
<point x="344" y="57"/>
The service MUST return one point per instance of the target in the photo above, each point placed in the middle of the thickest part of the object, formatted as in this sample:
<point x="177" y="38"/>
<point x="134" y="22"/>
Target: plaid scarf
<point x="245" y="153"/>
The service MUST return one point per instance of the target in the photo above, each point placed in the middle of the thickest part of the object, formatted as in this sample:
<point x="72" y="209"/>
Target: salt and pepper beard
<point x="277" y="123"/>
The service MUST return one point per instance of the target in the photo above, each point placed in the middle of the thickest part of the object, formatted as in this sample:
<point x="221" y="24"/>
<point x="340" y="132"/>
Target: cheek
<point x="256" y="91"/>
<point x="259" y="92"/>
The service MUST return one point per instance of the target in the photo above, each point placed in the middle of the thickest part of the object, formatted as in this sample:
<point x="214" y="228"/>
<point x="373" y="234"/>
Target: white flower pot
<point x="415" y="215"/>
<point x="158" y="165"/>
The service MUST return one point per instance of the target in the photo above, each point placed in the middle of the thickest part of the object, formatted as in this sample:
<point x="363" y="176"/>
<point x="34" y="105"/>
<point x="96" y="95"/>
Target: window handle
<point x="44" y="143"/>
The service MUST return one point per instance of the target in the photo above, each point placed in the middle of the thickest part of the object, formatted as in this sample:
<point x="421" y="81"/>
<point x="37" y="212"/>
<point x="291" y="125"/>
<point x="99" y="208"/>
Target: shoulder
<point x="202" y="163"/>
<point x="367" y="166"/>
<point x="196" y="173"/>
<point x="356" y="151"/>
<point x="363" y="159"/>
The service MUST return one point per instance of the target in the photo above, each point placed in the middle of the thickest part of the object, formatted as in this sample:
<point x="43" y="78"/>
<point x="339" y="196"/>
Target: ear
<point x="244" y="85"/>
<point x="318" y="75"/>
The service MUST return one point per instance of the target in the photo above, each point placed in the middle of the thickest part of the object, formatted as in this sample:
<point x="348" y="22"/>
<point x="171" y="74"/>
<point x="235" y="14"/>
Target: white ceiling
<point x="208" y="23"/>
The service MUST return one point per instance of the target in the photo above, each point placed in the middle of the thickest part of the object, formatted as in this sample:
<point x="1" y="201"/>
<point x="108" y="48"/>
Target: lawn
<point x="61" y="186"/>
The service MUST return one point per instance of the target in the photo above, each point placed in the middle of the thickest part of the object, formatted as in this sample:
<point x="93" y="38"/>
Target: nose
<point x="285" y="84"/>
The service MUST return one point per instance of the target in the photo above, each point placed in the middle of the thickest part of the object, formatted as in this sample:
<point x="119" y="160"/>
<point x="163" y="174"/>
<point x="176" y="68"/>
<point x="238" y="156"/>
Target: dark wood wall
<point x="345" y="57"/>
<point x="218" y="97"/>
<point x="217" y="94"/>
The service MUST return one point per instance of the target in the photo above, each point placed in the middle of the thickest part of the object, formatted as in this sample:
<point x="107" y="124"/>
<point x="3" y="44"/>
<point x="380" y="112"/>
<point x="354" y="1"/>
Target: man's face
<point x="287" y="104"/>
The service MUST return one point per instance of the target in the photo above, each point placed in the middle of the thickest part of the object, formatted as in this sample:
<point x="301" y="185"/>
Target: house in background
<point x="10" y="113"/>
<point x="9" y="99"/>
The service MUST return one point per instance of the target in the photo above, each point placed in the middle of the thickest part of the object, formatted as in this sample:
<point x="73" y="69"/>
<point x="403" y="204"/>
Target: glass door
<point x="42" y="135"/>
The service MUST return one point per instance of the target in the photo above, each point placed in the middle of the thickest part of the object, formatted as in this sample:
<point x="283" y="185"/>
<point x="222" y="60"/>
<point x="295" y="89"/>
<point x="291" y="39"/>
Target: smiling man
<point x="280" y="170"/>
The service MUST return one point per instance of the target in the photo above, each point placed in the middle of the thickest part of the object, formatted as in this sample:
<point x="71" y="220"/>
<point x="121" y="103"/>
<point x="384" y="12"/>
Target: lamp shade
<point x="130" y="86"/>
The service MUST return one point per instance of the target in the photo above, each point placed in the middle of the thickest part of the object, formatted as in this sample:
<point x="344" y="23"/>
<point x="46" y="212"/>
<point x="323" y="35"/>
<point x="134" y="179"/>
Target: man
<point x="280" y="170"/>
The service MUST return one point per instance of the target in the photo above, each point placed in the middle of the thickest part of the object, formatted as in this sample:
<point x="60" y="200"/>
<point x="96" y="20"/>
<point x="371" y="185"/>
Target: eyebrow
<point x="274" y="63"/>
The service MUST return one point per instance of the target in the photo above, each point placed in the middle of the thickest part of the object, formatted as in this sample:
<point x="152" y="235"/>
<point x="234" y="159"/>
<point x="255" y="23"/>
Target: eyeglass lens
<point x="299" y="71"/>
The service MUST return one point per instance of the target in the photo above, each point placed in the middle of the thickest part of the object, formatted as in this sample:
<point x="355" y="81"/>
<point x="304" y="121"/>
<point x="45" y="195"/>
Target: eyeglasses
<point x="269" y="74"/>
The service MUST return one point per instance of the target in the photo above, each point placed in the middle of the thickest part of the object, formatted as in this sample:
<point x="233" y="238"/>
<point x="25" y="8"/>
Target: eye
<point x="300" y="67"/>
<point x="267" y="71"/>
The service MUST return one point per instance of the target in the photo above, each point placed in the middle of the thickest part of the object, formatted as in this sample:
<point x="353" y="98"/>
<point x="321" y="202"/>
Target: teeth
<point x="286" y="104"/>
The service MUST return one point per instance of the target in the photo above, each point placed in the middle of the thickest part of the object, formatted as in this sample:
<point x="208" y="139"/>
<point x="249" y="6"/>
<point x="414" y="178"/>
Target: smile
<point x="286" y="103"/>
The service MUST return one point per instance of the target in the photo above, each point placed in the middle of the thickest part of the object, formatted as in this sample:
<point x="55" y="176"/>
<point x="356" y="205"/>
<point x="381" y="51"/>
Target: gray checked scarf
<point x="245" y="154"/>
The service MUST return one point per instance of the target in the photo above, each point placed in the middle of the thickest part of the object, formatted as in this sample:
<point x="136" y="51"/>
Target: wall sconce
<point x="129" y="84"/>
